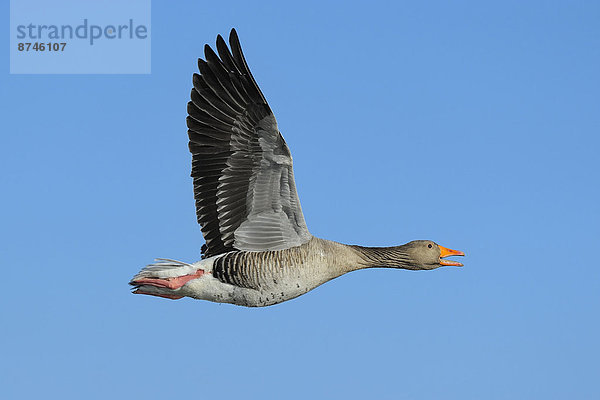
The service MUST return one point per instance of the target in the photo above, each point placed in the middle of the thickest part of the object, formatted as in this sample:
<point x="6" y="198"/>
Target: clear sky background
<point x="472" y="124"/>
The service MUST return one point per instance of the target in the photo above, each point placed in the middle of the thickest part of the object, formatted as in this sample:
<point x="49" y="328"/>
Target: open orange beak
<point x="444" y="252"/>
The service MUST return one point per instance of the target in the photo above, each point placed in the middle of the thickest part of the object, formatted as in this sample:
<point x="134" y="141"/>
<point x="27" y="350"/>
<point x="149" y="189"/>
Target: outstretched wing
<point x="244" y="185"/>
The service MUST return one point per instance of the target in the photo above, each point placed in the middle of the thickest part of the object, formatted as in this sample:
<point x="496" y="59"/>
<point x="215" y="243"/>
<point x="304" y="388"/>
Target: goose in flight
<point x="258" y="249"/>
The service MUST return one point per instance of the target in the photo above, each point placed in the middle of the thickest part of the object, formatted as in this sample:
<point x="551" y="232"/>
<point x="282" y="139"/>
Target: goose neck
<point x="383" y="257"/>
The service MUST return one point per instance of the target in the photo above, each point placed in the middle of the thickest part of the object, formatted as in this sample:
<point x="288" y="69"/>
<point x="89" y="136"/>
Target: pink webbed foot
<point x="166" y="296"/>
<point x="147" y="285"/>
<point x="169" y="283"/>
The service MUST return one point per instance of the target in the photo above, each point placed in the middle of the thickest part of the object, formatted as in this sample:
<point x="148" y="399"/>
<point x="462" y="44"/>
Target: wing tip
<point x="234" y="40"/>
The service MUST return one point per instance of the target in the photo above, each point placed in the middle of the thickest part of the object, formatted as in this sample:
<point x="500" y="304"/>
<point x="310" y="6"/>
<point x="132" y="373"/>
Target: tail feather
<point x="165" y="268"/>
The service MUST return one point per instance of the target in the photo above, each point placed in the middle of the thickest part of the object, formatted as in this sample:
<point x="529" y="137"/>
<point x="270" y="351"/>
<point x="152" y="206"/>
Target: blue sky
<point x="473" y="124"/>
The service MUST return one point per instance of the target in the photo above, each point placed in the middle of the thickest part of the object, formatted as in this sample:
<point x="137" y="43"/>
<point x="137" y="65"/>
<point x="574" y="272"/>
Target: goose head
<point x="426" y="254"/>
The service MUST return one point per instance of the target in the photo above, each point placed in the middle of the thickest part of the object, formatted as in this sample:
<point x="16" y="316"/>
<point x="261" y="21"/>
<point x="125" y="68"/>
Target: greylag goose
<point x="258" y="250"/>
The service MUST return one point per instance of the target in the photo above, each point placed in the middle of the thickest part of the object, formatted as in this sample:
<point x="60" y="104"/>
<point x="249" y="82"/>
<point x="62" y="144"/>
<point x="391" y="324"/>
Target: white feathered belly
<point x="270" y="287"/>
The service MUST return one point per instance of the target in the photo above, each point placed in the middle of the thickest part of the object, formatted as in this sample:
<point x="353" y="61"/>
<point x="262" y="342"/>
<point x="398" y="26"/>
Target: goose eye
<point x="429" y="245"/>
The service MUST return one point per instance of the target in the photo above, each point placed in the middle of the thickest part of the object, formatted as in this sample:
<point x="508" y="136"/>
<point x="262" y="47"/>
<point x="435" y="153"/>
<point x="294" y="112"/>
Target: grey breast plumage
<point x="244" y="185"/>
